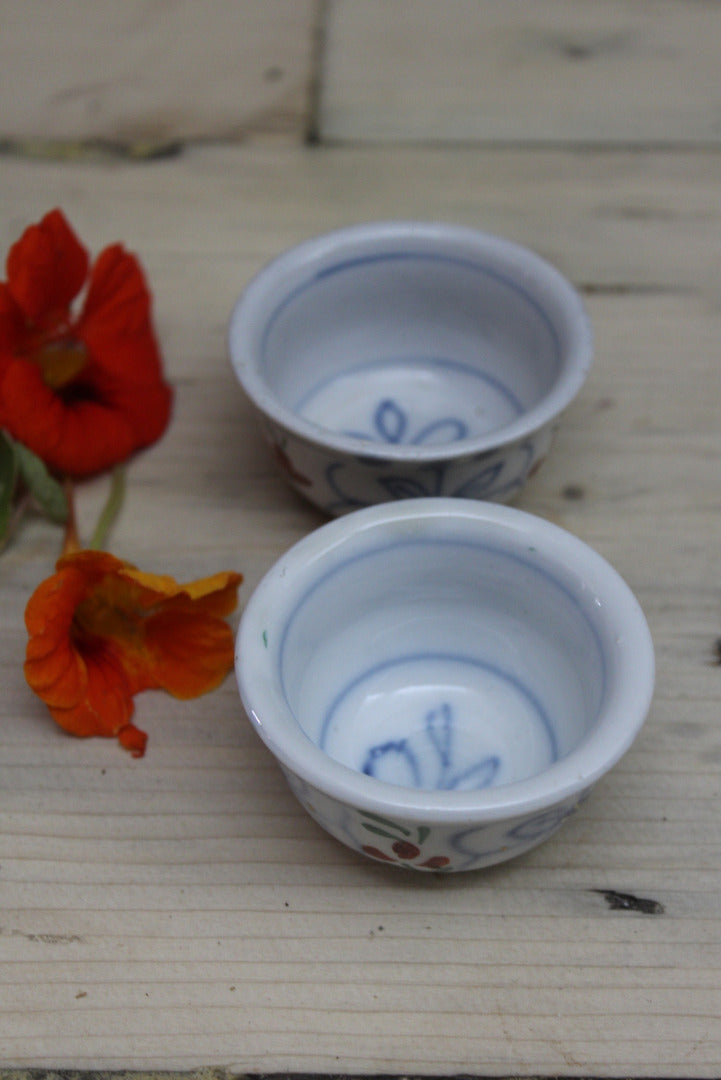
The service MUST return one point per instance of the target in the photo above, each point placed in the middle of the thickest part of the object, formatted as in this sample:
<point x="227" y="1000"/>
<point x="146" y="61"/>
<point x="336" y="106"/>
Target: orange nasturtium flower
<point x="100" y="631"/>
<point x="82" y="391"/>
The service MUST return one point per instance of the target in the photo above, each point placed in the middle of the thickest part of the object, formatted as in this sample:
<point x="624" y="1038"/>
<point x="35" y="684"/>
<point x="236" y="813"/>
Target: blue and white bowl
<point x="406" y="359"/>
<point x="442" y="681"/>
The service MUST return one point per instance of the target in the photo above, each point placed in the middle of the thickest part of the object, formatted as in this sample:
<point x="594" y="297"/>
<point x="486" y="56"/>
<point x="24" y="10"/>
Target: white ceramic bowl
<point x="441" y="680"/>
<point x="403" y="359"/>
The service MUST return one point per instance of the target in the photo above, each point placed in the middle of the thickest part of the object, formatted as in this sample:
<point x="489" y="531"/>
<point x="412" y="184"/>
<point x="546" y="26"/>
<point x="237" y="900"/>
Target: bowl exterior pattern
<point x="435" y="848"/>
<point x="341" y="483"/>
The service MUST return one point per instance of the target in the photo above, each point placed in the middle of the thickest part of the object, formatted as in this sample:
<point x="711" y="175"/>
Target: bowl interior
<point x="411" y="340"/>
<point x="440" y="661"/>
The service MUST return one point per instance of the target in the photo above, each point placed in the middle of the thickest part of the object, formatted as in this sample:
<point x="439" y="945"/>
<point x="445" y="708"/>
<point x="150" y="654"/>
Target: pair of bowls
<point x="441" y="678"/>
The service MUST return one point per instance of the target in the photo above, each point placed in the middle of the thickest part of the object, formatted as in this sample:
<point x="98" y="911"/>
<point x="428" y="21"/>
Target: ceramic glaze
<point x="400" y="359"/>
<point x="412" y="401"/>
<point x="442" y="648"/>
<point x="464" y="672"/>
<point x="439" y="722"/>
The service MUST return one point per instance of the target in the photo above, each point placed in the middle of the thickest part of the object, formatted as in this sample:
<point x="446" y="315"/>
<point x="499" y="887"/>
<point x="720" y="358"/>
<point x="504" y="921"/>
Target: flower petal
<point x="215" y="595"/>
<point x="83" y="683"/>
<point x="93" y="566"/>
<point x="100" y="631"/>
<point x="77" y="439"/>
<point x="106" y="705"/>
<point x="118" y="299"/>
<point x="186" y="648"/>
<point x="12" y="324"/>
<point x="116" y="327"/>
<point x="53" y="667"/>
<point x="133" y="739"/>
<point x="189" y="652"/>
<point x="47" y="267"/>
<point x="87" y="415"/>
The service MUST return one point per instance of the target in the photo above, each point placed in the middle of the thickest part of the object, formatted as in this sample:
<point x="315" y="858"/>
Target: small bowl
<point x="442" y="681"/>
<point x="403" y="359"/>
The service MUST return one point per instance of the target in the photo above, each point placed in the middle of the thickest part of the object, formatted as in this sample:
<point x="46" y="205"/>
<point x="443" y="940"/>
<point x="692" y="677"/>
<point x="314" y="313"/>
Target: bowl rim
<point x="623" y="713"/>
<point x="516" y="260"/>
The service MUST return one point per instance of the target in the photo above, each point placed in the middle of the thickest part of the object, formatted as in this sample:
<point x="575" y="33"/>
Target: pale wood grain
<point x="149" y="72"/>
<point x="182" y="910"/>
<point x="562" y="70"/>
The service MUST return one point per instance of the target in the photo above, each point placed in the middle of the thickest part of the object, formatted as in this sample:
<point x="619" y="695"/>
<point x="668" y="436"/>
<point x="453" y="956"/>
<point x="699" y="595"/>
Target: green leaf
<point x="8" y="472"/>
<point x="46" y="490"/>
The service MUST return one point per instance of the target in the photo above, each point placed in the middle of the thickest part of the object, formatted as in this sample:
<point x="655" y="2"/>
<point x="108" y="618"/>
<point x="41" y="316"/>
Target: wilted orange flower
<point x="101" y="631"/>
<point x="85" y="392"/>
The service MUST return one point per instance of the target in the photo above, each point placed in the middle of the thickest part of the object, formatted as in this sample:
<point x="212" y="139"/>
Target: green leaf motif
<point x="46" y="490"/>
<point x="385" y="821"/>
<point x="8" y="472"/>
<point x="378" y="831"/>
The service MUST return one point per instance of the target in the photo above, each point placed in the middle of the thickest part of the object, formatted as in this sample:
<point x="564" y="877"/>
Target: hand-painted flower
<point x="85" y="392"/>
<point x="100" y="631"/>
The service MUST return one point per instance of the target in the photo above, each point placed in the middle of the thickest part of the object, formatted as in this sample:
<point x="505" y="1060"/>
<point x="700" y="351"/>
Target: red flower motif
<point x="404" y="849"/>
<point x="85" y="392"/>
<point x="101" y="631"/>
<point x="406" y="852"/>
<point x="287" y="466"/>
<point x="376" y="853"/>
<point x="436" y="862"/>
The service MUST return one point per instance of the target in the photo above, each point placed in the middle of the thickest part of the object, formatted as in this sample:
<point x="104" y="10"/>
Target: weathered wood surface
<point x="182" y="911"/>
<point x="147" y="73"/>
<point x="560" y="71"/>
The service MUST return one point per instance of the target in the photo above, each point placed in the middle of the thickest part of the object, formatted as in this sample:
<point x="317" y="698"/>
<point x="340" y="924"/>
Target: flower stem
<point x="113" y="506"/>
<point x="71" y="541"/>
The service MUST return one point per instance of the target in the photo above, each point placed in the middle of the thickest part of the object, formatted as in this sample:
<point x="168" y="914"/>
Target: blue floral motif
<point x="465" y="849"/>
<point x="426" y="759"/>
<point x="390" y="421"/>
<point x="540" y="826"/>
<point x="526" y="834"/>
<point x="390" y="424"/>
<point x="494" y="480"/>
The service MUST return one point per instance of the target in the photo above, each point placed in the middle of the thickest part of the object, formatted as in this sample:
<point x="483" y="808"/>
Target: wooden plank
<point x="560" y="71"/>
<point x="630" y="223"/>
<point x="150" y="72"/>
<point x="182" y="911"/>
